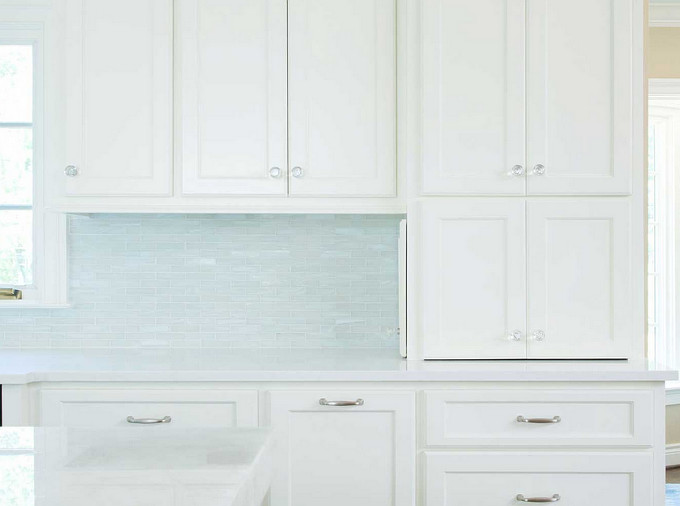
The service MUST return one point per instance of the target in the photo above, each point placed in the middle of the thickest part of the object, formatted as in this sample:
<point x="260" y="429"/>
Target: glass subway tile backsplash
<point x="222" y="281"/>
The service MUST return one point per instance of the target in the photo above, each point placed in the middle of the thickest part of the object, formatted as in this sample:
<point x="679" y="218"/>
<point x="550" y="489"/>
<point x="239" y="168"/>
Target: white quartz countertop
<point x="20" y="367"/>
<point x="113" y="466"/>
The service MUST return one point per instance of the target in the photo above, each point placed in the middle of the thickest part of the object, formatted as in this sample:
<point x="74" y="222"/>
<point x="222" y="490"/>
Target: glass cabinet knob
<point x="538" y="335"/>
<point x="515" y="335"/>
<point x="298" y="172"/>
<point x="71" y="171"/>
<point x="275" y="172"/>
<point x="539" y="169"/>
<point x="517" y="170"/>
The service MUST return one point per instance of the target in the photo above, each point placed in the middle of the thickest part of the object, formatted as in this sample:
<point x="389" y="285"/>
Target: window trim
<point x="49" y="287"/>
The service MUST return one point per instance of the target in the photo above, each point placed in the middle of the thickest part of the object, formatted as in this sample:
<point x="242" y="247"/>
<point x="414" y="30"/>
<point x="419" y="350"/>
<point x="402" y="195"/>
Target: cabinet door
<point x="580" y="95"/>
<point x="472" y="271"/>
<point x="362" y="455"/>
<point x="473" y="96"/>
<point x="118" y="75"/>
<point x="342" y="96"/>
<point x="232" y="68"/>
<point x="492" y="479"/>
<point x="579" y="257"/>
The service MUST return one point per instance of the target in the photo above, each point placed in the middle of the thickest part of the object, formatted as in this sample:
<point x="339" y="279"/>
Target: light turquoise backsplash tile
<point x="227" y="281"/>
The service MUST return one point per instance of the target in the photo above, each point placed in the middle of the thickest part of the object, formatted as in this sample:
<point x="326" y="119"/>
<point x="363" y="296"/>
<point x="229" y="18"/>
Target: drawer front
<point x="186" y="408"/>
<point x="570" y="417"/>
<point x="493" y="479"/>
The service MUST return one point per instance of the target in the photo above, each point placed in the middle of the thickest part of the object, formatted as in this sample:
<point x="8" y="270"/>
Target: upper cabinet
<point x="118" y="93"/>
<point x="193" y="99"/>
<point x="231" y="59"/>
<point x="342" y="97"/>
<point x="549" y="76"/>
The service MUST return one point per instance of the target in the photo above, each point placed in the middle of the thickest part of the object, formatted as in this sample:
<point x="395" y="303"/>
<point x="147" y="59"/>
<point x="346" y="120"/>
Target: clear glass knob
<point x="515" y="335"/>
<point x="539" y="169"/>
<point x="275" y="172"/>
<point x="71" y="171"/>
<point x="517" y="170"/>
<point x="538" y="335"/>
<point x="298" y="172"/>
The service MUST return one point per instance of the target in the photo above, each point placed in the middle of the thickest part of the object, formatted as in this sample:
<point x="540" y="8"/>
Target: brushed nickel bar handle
<point x="148" y="421"/>
<point x="324" y="402"/>
<point x="554" y="498"/>
<point x="554" y="419"/>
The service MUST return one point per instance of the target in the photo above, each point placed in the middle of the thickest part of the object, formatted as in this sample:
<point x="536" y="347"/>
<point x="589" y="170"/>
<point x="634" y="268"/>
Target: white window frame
<point x="49" y="286"/>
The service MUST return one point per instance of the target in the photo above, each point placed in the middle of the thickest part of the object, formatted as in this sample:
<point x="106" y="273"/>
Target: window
<point x="32" y="241"/>
<point x="16" y="165"/>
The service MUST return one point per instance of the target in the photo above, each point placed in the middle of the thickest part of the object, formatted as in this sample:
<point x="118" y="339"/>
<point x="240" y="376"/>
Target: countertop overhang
<point x="202" y="365"/>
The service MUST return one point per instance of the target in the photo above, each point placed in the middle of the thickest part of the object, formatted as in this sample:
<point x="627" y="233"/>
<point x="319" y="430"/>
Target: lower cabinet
<point x="340" y="448"/>
<point x="132" y="407"/>
<point x="572" y="479"/>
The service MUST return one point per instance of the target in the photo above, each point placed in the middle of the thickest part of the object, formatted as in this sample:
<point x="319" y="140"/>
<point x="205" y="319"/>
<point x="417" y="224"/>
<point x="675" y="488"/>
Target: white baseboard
<point x="673" y="455"/>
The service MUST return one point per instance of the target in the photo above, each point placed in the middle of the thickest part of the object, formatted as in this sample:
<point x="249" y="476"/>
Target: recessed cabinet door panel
<point x="232" y="63"/>
<point x="118" y="72"/>
<point x="473" y="96"/>
<point x="580" y="99"/>
<point x="346" y="455"/>
<point x="473" y="278"/>
<point x="342" y="96"/>
<point x="579" y="279"/>
<point x="495" y="479"/>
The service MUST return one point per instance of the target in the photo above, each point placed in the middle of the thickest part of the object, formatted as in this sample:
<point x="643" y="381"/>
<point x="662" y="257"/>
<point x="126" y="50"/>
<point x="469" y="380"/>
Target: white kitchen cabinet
<point x="481" y="274"/>
<point x="342" y="97"/>
<point x="362" y="455"/>
<point x="231" y="58"/>
<point x="473" y="96"/>
<point x="490" y="479"/>
<point x="118" y="91"/>
<point x="579" y="279"/>
<point x="472" y="278"/>
<point x="87" y="407"/>
<point x="580" y="95"/>
<point x="568" y="67"/>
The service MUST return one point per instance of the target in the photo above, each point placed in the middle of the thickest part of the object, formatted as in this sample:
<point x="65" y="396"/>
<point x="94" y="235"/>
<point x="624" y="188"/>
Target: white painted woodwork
<point x="342" y="97"/>
<point x="491" y="479"/>
<point x="118" y="82"/>
<point x="472" y="287"/>
<point x="232" y="73"/>
<point x="110" y="408"/>
<point x="579" y="278"/>
<point x="580" y="95"/>
<point x="473" y="97"/>
<point x="335" y="456"/>
<point x="587" y="418"/>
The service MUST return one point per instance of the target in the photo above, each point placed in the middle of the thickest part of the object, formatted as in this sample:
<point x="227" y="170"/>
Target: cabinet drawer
<point x="579" y="417"/>
<point x="492" y="479"/>
<point x="186" y="408"/>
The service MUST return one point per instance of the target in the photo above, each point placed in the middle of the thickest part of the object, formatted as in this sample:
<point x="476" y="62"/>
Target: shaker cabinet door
<point x="342" y="97"/>
<point x="580" y="112"/>
<point x="361" y="454"/>
<point x="118" y="81"/>
<point x="472" y="278"/>
<point x="579" y="278"/>
<point x="231" y="58"/>
<point x="473" y="96"/>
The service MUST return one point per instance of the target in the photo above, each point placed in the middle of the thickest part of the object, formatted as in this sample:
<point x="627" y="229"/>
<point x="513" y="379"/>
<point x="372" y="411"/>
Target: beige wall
<point x="663" y="52"/>
<point x="673" y="424"/>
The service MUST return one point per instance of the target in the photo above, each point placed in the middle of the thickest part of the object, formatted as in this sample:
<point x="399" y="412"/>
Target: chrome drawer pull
<point x="358" y="402"/>
<point x="521" y="498"/>
<point x="148" y="421"/>
<point x="554" y="419"/>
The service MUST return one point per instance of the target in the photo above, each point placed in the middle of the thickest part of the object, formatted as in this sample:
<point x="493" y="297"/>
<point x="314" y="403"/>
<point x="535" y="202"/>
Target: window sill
<point x="29" y="304"/>
<point x="672" y="393"/>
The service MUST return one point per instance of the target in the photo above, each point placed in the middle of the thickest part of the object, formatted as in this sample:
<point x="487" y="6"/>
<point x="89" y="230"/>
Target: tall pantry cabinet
<point x="525" y="169"/>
